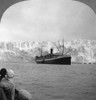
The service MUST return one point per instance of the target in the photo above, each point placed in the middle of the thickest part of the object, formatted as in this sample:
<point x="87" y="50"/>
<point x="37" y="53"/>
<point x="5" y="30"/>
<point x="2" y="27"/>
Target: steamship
<point x="53" y="59"/>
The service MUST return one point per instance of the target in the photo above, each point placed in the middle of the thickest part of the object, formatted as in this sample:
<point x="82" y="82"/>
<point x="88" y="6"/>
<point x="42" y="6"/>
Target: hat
<point x="3" y="72"/>
<point x="10" y="73"/>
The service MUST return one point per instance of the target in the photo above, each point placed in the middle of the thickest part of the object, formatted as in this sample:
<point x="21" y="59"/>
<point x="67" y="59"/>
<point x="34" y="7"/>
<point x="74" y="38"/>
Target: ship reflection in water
<point x="53" y="59"/>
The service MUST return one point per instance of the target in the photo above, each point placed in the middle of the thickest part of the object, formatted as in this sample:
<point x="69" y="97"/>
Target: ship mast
<point x="62" y="46"/>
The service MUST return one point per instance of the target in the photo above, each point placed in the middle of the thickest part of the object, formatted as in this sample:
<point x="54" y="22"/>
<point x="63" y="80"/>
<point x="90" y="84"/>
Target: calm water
<point x="56" y="82"/>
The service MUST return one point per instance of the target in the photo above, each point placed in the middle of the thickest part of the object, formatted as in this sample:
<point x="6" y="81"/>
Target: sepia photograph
<point x="47" y="49"/>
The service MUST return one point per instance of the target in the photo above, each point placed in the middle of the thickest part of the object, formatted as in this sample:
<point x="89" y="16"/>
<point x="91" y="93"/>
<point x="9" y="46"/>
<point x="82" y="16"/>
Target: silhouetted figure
<point x="6" y="84"/>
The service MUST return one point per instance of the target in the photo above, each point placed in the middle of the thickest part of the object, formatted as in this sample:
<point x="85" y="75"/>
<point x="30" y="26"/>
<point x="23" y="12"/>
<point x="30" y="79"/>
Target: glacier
<point x="81" y="50"/>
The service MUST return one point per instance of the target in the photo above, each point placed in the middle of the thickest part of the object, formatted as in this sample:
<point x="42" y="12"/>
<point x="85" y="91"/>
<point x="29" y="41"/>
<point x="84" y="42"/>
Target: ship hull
<point x="58" y="60"/>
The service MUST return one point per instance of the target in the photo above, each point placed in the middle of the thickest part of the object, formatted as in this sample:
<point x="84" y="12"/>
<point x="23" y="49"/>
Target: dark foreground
<point x="56" y="82"/>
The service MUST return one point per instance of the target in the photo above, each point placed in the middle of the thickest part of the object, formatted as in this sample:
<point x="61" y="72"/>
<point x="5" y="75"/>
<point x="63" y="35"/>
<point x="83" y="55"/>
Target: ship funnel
<point x="51" y="51"/>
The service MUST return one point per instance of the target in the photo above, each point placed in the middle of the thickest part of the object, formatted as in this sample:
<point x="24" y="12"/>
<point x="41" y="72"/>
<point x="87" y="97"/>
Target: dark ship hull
<point x="54" y="60"/>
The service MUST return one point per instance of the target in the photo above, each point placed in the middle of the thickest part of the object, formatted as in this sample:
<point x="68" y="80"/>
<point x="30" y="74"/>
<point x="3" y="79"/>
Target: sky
<point x="48" y="20"/>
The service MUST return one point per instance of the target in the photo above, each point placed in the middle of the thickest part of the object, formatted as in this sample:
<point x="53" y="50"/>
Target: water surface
<point x="56" y="82"/>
